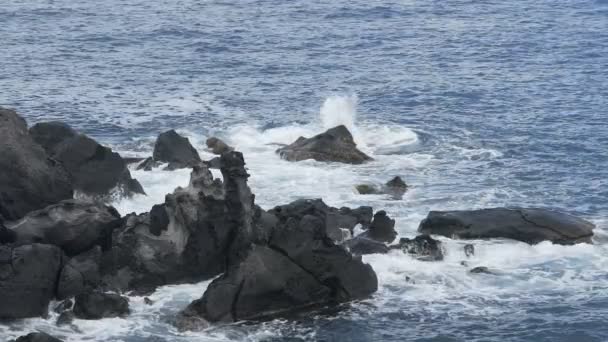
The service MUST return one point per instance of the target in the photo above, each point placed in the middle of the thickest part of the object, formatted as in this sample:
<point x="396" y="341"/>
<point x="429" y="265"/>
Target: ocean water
<point x="474" y="103"/>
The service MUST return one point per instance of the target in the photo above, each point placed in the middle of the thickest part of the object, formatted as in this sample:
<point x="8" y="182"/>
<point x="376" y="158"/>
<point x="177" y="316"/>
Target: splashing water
<point x="339" y="110"/>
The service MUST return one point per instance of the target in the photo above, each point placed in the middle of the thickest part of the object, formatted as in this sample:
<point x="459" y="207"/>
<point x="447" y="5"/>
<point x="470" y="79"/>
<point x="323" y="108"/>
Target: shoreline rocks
<point x="395" y="188"/>
<point x="174" y="149"/>
<point x="29" y="178"/>
<point x="95" y="170"/>
<point x="334" y="145"/>
<point x="218" y="146"/>
<point x="97" y="305"/>
<point x="530" y="225"/>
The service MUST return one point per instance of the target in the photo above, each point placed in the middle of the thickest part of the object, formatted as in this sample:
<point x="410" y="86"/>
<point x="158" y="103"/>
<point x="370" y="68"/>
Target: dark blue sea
<point x="474" y="103"/>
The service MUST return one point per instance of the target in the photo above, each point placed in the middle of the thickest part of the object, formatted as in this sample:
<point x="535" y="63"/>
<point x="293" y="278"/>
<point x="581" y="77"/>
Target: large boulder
<point x="72" y="225"/>
<point x="176" y="150"/>
<point x="300" y="268"/>
<point x="95" y="170"/>
<point x="335" y="220"/>
<point x="97" y="305"/>
<point x="334" y="145"/>
<point x="381" y="229"/>
<point x="37" y="337"/>
<point x="530" y="225"/>
<point x="192" y="236"/>
<point x="29" y="179"/>
<point x="28" y="279"/>
<point x="80" y="274"/>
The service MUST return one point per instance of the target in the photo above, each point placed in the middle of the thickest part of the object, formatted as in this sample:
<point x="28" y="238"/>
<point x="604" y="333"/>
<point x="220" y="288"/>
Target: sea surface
<point x="474" y="103"/>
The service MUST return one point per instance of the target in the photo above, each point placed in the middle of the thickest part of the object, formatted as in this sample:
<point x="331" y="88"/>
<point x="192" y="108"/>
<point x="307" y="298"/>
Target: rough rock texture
<point x="95" y="170"/>
<point x="422" y="247"/>
<point x="334" y="145"/>
<point x="176" y="150"/>
<point x="333" y="218"/>
<point x="72" y="225"/>
<point x="37" y="337"/>
<point x="190" y="237"/>
<point x="97" y="305"/>
<point x="29" y="179"/>
<point x="217" y="146"/>
<point x="361" y="245"/>
<point x="80" y="274"/>
<point x="28" y="278"/>
<point x="382" y="228"/>
<point x="529" y="225"/>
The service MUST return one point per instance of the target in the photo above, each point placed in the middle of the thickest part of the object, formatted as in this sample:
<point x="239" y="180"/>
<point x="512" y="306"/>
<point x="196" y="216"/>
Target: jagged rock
<point x="147" y="164"/>
<point x="176" y="150"/>
<point x="334" y="145"/>
<point x="29" y="179"/>
<point x="481" y="269"/>
<point x="333" y="218"/>
<point x="28" y="278"/>
<point x="217" y="146"/>
<point x="188" y="238"/>
<point x="97" y="305"/>
<point x="381" y="229"/>
<point x="80" y="274"/>
<point x="64" y="305"/>
<point x="361" y="246"/>
<point x="37" y="337"/>
<point x="530" y="225"/>
<point x="72" y="225"/>
<point x="396" y="187"/>
<point x="423" y="247"/>
<point x="95" y="170"/>
<point x="469" y="250"/>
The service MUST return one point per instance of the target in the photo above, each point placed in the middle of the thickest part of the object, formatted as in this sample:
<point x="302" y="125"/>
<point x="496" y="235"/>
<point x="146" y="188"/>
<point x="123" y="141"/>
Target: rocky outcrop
<point x="530" y="225"/>
<point x="95" y="170"/>
<point x="335" y="220"/>
<point x="97" y="305"/>
<point x="300" y="268"/>
<point x="80" y="274"/>
<point x="361" y="245"/>
<point x="381" y="229"/>
<point x="217" y="146"/>
<point x="72" y="225"/>
<point x="176" y="150"/>
<point x="28" y="278"/>
<point x="29" y="179"/>
<point x="395" y="188"/>
<point x="334" y="145"/>
<point x="192" y="236"/>
<point x="422" y="247"/>
<point x="37" y="337"/>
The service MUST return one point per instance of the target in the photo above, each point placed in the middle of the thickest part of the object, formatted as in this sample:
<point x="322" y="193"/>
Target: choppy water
<point x="474" y="103"/>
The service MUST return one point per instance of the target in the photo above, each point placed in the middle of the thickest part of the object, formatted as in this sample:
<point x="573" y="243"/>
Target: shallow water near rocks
<point x="474" y="104"/>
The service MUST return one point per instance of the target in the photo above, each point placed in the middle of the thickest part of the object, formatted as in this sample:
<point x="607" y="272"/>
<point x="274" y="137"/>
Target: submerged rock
<point x="396" y="187"/>
<point x="176" y="150"/>
<point x="96" y="171"/>
<point x="334" y="145"/>
<point x="528" y="225"/>
<point x="422" y="247"/>
<point x="28" y="279"/>
<point x="97" y="305"/>
<point x="72" y="225"/>
<point x="217" y="146"/>
<point x="29" y="179"/>
<point x="481" y="269"/>
<point x="37" y="337"/>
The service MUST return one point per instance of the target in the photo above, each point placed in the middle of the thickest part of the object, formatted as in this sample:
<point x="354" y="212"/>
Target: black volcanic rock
<point x="334" y="145"/>
<point x="28" y="279"/>
<point x="176" y="150"/>
<point x="381" y="229"/>
<point x="192" y="236"/>
<point x="396" y="187"/>
<point x="80" y="274"/>
<point x="528" y="225"/>
<point x="97" y="305"/>
<point x="95" y="170"/>
<point x="218" y="146"/>
<point x="29" y="179"/>
<point x="422" y="247"/>
<point x="360" y="245"/>
<point x="72" y="225"/>
<point x="37" y="337"/>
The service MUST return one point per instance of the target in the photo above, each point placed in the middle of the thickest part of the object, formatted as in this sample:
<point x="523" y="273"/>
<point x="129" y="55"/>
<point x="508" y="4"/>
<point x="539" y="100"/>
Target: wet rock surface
<point x="97" y="305"/>
<point x="422" y="247"/>
<point x="334" y="145"/>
